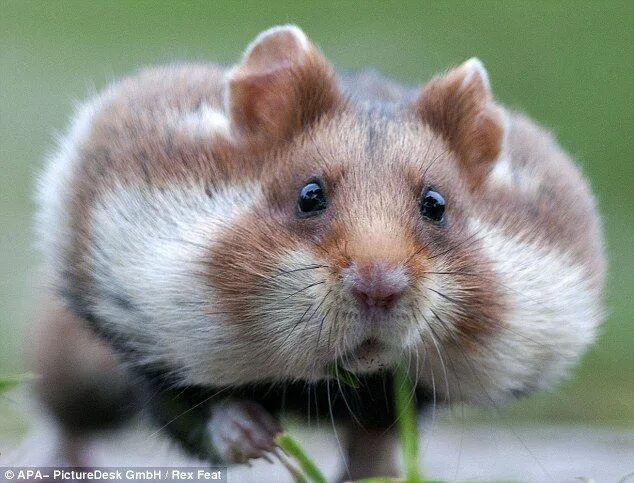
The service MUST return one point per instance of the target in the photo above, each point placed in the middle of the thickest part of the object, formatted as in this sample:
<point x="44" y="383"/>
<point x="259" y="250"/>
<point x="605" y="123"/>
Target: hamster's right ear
<point x="282" y="85"/>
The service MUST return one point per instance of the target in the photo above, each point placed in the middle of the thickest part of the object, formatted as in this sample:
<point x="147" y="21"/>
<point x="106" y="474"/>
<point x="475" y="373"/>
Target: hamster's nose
<point x="378" y="285"/>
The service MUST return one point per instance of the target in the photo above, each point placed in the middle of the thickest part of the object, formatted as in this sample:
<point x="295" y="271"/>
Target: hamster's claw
<point x="242" y="430"/>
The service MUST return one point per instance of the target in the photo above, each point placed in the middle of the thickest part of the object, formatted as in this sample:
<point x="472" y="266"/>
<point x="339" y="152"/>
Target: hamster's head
<point x="373" y="238"/>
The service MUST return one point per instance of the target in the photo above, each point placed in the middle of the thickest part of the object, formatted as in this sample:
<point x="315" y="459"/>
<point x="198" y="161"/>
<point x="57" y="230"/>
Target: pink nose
<point x="379" y="285"/>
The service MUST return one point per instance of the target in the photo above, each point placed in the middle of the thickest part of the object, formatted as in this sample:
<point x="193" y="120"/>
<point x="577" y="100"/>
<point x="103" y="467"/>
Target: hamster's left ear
<point x="282" y="85"/>
<point x="459" y="106"/>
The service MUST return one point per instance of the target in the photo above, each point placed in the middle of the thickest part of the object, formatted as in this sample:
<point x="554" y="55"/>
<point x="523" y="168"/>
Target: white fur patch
<point x="553" y="316"/>
<point x="149" y="258"/>
<point x="509" y="175"/>
<point x="517" y="178"/>
<point x="54" y="185"/>
<point x="203" y="122"/>
<point x="502" y="173"/>
<point x="295" y="317"/>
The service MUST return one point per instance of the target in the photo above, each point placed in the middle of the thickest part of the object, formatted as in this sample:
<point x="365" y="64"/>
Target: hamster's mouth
<point x="371" y="355"/>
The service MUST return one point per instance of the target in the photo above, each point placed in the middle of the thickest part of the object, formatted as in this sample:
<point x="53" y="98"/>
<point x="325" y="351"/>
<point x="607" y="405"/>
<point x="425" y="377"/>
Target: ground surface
<point x="452" y="453"/>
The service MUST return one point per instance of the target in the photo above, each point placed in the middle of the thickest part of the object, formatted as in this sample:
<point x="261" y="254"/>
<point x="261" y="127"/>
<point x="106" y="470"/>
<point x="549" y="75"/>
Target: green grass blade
<point x="381" y="479"/>
<point x="346" y="377"/>
<point x="407" y="424"/>
<point x="9" y="382"/>
<point x="290" y="446"/>
<point x="298" y="476"/>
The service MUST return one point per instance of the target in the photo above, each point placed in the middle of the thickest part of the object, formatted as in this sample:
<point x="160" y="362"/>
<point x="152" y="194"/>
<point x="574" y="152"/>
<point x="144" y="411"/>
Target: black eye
<point x="432" y="205"/>
<point x="312" y="198"/>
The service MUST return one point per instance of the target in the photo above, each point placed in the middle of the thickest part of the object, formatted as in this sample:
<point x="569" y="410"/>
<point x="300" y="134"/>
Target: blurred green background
<point x="567" y="64"/>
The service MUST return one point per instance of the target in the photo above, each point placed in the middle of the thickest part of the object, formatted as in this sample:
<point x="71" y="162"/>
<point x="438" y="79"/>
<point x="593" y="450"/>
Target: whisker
<point x="286" y="272"/>
<point x="345" y="401"/>
<point x="200" y="403"/>
<point x="334" y="429"/>
<point x="469" y="239"/>
<point x="493" y="403"/>
<point x="305" y="288"/>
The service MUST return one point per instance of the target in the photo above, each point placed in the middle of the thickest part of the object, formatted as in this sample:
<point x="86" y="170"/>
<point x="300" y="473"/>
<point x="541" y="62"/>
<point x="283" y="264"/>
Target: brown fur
<point x="562" y="215"/>
<point x="460" y="108"/>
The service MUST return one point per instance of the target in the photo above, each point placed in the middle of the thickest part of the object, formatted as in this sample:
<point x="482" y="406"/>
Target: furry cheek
<point x="151" y="246"/>
<point x="276" y="296"/>
<point x="548" y="317"/>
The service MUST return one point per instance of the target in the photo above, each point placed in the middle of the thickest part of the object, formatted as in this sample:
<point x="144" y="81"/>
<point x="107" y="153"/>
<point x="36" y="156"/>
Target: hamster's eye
<point x="312" y="198"/>
<point x="432" y="205"/>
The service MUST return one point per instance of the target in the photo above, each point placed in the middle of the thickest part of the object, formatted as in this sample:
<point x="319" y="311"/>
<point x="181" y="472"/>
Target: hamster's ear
<point x="282" y="84"/>
<point x="460" y="107"/>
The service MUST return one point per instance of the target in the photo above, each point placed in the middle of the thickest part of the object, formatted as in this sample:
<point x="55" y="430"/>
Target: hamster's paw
<point x="242" y="430"/>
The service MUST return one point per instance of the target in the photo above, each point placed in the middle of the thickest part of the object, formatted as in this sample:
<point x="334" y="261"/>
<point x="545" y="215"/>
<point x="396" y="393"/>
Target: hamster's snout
<point x="378" y="284"/>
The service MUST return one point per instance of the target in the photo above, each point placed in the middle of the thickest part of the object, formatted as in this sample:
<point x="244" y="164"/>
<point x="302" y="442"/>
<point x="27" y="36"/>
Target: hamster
<point x="235" y="236"/>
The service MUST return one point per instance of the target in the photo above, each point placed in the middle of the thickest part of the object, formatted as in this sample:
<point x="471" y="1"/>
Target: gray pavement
<point x="449" y="452"/>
